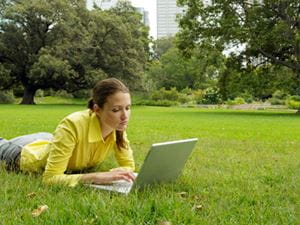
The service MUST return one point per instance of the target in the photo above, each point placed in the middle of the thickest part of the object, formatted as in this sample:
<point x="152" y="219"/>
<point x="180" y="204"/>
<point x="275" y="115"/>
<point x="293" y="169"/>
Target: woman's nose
<point x="124" y="115"/>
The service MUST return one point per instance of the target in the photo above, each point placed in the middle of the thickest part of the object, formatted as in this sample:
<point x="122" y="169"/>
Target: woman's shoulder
<point x="78" y="116"/>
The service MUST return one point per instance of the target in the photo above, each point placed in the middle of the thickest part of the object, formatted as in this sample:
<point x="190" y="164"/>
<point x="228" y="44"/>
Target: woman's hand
<point x="108" y="177"/>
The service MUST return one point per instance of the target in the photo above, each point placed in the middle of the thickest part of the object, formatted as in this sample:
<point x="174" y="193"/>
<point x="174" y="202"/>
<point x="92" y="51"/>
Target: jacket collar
<point x="95" y="132"/>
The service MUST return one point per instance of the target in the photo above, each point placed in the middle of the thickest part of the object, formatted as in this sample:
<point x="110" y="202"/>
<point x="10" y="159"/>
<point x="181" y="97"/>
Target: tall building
<point x="145" y="14"/>
<point x="166" y="17"/>
<point x="107" y="4"/>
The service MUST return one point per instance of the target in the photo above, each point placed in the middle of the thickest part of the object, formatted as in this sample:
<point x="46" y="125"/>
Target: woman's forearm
<point x="107" y="177"/>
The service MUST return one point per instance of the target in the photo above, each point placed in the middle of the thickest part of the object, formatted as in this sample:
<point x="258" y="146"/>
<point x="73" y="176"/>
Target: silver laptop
<point x="163" y="164"/>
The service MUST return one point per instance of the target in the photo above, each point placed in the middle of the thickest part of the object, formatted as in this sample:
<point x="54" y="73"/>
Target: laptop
<point x="163" y="163"/>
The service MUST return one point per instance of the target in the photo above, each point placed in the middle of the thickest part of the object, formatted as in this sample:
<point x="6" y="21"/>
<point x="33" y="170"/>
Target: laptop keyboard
<point x="122" y="184"/>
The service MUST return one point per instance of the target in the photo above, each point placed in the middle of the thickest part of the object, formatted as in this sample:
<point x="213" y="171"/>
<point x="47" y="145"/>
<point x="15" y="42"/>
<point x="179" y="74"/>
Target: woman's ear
<point x="96" y="108"/>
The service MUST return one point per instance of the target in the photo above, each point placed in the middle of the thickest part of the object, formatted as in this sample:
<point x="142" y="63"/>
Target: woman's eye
<point x="115" y="110"/>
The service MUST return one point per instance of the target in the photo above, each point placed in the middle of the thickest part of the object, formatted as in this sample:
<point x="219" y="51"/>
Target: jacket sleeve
<point x="60" y="152"/>
<point x="124" y="156"/>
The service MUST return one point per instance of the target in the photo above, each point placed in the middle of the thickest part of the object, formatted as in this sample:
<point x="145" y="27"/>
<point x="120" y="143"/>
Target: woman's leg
<point x="10" y="149"/>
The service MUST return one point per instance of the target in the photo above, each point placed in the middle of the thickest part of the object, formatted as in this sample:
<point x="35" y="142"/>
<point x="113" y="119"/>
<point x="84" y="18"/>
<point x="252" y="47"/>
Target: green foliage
<point x="5" y="82"/>
<point x="268" y="30"/>
<point x="62" y="45"/>
<point x="184" y="98"/>
<point x="259" y="83"/>
<point x="279" y="97"/>
<point x="163" y="94"/>
<point x="162" y="102"/>
<point x="6" y="97"/>
<point x="63" y="94"/>
<point x="211" y="96"/>
<point x="293" y="102"/>
<point x="198" y="96"/>
<point x="236" y="101"/>
<point x="198" y="72"/>
<point x="161" y="46"/>
<point x="85" y="94"/>
<point x="248" y="98"/>
<point x="40" y="93"/>
<point x="239" y="100"/>
<point x="59" y="100"/>
<point x="187" y="91"/>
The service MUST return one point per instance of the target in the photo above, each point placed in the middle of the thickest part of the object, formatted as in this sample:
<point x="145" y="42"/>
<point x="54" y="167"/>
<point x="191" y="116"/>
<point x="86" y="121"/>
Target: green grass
<point x="244" y="170"/>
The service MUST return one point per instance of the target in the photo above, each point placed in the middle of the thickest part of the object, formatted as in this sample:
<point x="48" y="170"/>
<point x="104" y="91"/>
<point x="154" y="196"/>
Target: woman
<point x="81" y="140"/>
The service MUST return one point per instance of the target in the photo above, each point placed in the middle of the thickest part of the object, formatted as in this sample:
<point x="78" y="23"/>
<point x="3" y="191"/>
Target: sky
<point x="150" y="6"/>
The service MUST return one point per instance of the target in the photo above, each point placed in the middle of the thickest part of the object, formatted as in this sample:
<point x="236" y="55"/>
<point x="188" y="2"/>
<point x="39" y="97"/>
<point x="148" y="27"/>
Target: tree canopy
<point x="59" y="44"/>
<point x="172" y="69"/>
<point x="267" y="30"/>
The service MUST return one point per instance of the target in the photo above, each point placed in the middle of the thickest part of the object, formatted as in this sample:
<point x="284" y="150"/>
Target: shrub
<point x="230" y="102"/>
<point x="239" y="100"/>
<point x="198" y="96"/>
<point x="187" y="91"/>
<point x="247" y="97"/>
<point x="236" y="101"/>
<point x="276" y="101"/>
<point x="158" y="94"/>
<point x="148" y="102"/>
<point x="163" y="94"/>
<point x="293" y="102"/>
<point x="63" y="93"/>
<point x="183" y="98"/>
<point x="171" y="95"/>
<point x="278" y="98"/>
<point x="83" y="93"/>
<point x="211" y="96"/>
<point x="164" y="103"/>
<point x="39" y="93"/>
<point x="6" y="97"/>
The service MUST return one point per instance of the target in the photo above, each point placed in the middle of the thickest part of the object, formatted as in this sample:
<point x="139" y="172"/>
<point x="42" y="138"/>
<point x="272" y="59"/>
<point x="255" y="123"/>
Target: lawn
<point x="245" y="169"/>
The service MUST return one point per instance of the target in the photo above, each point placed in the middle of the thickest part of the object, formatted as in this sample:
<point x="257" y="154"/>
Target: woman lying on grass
<point x="81" y="140"/>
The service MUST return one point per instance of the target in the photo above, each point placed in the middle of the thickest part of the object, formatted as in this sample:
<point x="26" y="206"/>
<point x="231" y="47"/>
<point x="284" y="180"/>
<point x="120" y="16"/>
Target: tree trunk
<point x="298" y="111"/>
<point x="28" y="96"/>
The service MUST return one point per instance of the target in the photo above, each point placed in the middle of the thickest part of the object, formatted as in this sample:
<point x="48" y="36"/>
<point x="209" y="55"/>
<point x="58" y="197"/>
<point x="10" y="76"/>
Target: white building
<point x="145" y="14"/>
<point x="107" y="4"/>
<point x="166" y="17"/>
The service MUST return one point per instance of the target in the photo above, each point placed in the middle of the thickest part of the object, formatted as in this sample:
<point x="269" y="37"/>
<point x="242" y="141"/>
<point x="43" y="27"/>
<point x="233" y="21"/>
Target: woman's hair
<point x="101" y="91"/>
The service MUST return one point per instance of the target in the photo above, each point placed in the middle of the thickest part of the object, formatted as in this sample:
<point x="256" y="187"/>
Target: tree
<point x="269" y="30"/>
<point x="59" y="44"/>
<point x="200" y="71"/>
<point x="29" y="32"/>
<point x="161" y="46"/>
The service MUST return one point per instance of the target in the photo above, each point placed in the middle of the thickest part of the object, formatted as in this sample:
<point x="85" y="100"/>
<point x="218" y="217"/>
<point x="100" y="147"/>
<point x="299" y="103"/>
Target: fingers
<point x="124" y="175"/>
<point x="108" y="177"/>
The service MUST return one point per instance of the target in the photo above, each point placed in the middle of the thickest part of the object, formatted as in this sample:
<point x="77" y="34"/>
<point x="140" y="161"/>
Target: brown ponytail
<point x="91" y="104"/>
<point x="101" y="91"/>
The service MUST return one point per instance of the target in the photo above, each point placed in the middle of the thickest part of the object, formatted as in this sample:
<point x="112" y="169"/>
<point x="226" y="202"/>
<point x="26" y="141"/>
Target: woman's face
<point x="115" y="112"/>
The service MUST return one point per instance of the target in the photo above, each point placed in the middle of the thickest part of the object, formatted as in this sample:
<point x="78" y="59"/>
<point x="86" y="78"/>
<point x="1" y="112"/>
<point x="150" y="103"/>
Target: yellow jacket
<point x="77" y="144"/>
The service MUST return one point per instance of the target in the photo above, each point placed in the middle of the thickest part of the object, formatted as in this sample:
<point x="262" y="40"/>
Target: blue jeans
<point x="10" y="150"/>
